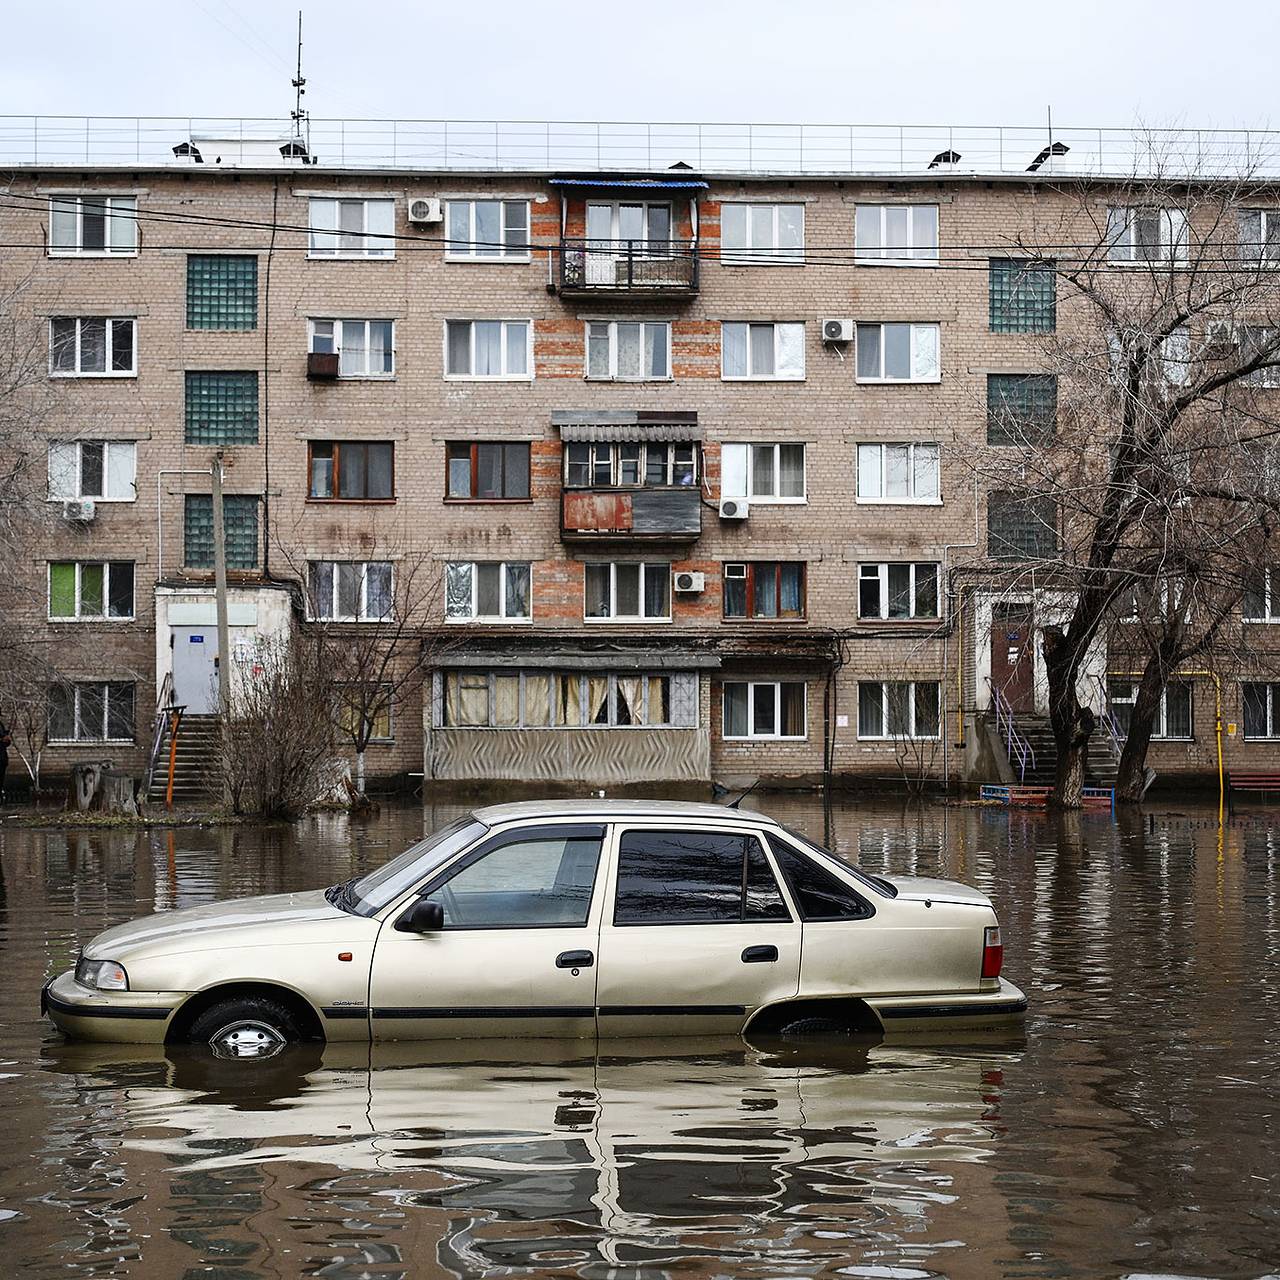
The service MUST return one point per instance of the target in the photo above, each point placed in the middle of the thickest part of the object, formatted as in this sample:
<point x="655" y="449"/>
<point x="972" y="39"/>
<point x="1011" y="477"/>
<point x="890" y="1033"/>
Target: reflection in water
<point x="1131" y="1132"/>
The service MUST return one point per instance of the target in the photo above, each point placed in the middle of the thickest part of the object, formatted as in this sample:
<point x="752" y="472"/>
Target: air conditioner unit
<point x="80" y="512"/>
<point x="690" y="583"/>
<point x="734" y="508"/>
<point x="426" y="210"/>
<point x="837" y="331"/>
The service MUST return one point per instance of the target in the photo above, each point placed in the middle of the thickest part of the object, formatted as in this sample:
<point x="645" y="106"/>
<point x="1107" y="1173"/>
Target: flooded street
<point x="1132" y="1130"/>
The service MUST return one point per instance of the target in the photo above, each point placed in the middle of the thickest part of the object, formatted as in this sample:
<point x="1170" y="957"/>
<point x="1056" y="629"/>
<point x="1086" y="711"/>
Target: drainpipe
<point x="957" y="623"/>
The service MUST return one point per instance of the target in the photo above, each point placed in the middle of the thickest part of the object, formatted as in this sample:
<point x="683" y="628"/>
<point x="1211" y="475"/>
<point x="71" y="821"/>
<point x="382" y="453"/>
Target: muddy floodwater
<point x="1132" y="1130"/>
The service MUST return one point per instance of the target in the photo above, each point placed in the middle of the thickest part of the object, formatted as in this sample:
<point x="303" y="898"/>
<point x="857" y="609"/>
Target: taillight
<point x="992" y="952"/>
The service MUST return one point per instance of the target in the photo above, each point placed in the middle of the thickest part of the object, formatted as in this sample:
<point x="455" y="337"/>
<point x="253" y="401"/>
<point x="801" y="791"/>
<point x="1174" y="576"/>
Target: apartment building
<point x="684" y="457"/>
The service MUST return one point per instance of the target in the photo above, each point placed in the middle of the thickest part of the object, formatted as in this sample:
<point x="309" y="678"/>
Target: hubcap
<point x="247" y="1039"/>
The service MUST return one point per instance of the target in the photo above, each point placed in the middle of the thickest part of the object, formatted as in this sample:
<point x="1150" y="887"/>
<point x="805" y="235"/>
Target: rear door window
<point x="818" y="894"/>
<point x="694" y="877"/>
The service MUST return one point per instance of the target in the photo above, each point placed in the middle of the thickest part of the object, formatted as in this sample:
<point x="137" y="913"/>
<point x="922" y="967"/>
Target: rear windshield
<point x="878" y="883"/>
<point x="372" y="892"/>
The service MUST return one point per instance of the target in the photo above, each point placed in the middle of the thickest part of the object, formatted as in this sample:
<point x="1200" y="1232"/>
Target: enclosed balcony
<point x="631" y="479"/>
<point x="635" y="237"/>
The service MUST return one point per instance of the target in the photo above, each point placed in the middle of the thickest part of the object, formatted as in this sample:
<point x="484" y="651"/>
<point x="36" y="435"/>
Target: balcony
<point x="629" y="268"/>
<point x="616" y="515"/>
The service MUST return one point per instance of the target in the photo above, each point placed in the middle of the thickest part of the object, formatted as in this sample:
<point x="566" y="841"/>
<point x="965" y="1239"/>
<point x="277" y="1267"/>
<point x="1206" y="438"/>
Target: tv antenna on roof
<point x="300" y="117"/>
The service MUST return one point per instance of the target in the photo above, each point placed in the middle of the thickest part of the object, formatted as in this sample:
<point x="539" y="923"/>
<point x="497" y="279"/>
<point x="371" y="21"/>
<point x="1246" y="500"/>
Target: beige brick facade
<point x="419" y="410"/>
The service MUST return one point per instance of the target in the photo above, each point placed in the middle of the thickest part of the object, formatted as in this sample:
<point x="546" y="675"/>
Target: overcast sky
<point x="1096" y="62"/>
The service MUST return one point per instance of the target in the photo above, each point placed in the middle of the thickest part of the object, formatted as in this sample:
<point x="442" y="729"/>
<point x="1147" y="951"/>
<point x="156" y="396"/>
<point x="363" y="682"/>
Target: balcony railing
<point x="656" y="515"/>
<point x="665" y="268"/>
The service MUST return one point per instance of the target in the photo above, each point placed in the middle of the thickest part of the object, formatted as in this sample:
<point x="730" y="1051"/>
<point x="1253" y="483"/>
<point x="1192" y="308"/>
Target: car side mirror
<point x="423" y="917"/>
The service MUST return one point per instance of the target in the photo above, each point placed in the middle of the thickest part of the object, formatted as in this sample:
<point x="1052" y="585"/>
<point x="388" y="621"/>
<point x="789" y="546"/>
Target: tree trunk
<point x="1072" y="724"/>
<point x="115" y="795"/>
<point x="1131" y="775"/>
<point x="360" y="772"/>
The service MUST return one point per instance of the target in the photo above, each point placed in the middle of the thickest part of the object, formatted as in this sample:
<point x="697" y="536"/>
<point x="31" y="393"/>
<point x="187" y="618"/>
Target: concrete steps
<point x="196" y="768"/>
<point x="1100" y="764"/>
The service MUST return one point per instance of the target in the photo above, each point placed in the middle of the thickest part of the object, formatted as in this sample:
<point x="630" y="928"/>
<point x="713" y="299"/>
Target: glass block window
<point x="239" y="527"/>
<point x="1022" y="408"/>
<point x="1021" y="527"/>
<point x="222" y="291"/>
<point x="222" y="408"/>
<point x="1024" y="296"/>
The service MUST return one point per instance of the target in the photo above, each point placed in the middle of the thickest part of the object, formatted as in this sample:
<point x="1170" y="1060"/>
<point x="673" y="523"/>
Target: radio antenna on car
<point x="733" y="804"/>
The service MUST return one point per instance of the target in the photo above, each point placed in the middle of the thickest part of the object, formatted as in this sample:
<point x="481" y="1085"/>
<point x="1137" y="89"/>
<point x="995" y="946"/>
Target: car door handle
<point x="760" y="955"/>
<point x="575" y="960"/>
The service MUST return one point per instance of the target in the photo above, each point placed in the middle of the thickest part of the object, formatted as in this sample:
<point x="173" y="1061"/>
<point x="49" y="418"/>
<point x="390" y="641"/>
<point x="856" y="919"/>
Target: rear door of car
<point x="696" y="931"/>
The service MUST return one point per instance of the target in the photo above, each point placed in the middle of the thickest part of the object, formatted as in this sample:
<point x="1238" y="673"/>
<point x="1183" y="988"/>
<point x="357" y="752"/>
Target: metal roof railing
<point x="103" y="142"/>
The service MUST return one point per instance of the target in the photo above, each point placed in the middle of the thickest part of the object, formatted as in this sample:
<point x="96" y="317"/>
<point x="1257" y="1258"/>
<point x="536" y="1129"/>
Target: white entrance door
<point x="195" y="669"/>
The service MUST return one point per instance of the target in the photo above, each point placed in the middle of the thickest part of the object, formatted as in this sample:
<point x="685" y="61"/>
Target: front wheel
<point x="813" y="1029"/>
<point x="245" y="1027"/>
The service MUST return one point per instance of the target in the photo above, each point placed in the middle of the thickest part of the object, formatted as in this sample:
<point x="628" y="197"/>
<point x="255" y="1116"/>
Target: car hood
<point x="918" y="888"/>
<point x="194" y="924"/>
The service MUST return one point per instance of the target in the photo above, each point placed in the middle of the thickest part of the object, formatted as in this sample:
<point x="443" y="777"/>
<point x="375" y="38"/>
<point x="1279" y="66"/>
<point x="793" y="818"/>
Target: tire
<point x="245" y="1027"/>
<point x="812" y="1029"/>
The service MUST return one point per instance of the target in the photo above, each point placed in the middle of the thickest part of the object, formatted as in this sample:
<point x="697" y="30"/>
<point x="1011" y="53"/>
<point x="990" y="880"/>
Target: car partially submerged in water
<point x="557" y="918"/>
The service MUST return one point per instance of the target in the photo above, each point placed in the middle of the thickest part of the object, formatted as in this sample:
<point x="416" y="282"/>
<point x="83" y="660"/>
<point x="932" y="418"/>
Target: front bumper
<point x="1001" y="1007"/>
<point x="118" y="1017"/>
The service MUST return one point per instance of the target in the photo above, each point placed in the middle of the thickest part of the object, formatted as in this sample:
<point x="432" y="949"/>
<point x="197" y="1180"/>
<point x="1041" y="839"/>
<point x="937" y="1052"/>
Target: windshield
<point x="372" y="892"/>
<point x="878" y="883"/>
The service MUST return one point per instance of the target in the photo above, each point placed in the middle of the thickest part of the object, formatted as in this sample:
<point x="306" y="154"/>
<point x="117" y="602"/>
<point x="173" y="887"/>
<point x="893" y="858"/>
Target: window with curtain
<point x="763" y="709"/>
<point x="899" y="709"/>
<point x="768" y="352"/>
<point x="1173" y="717"/>
<point x="764" y="590"/>
<point x="487" y="471"/>
<point x="903" y="591"/>
<point x="1259" y="236"/>
<point x="624" y="591"/>
<point x="1261" y="704"/>
<point x="567" y="700"/>
<point x="761" y="235"/>
<point x="89" y="224"/>
<point x="628" y="351"/>
<point x="898" y="353"/>
<point x="763" y="472"/>
<point x="488" y="592"/>
<point x="656" y="465"/>
<point x="101" y="469"/>
<point x="344" y="228"/>
<point x="896" y="233"/>
<point x="350" y="590"/>
<point x="1147" y="235"/>
<point x="899" y="472"/>
<point x="93" y="347"/>
<point x="91" y="711"/>
<point x="365" y="348"/>
<point x="83" y="590"/>
<point x="373" y="703"/>
<point x="351" y="471"/>
<point x="496" y="230"/>
<point x="493" y="349"/>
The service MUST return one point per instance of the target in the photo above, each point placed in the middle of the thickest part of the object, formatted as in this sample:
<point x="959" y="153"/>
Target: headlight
<point x="101" y="975"/>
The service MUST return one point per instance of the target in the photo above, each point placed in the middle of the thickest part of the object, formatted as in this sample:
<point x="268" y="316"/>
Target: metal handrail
<point x="628" y="264"/>
<point x="167" y="715"/>
<point x="1108" y="720"/>
<point x="1020" y="750"/>
<point x="655" y="146"/>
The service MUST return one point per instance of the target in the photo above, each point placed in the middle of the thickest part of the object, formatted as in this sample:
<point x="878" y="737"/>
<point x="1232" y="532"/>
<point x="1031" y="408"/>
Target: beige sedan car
<point x="564" y="918"/>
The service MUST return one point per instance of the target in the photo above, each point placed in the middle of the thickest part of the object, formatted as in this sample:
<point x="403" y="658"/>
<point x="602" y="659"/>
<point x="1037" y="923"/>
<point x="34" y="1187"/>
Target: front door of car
<point x="695" y="933"/>
<point x="516" y="955"/>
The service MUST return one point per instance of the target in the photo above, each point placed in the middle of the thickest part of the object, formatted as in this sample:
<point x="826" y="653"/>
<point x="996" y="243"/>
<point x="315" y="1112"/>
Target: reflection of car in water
<point x="647" y="1141"/>
<point x="574" y="918"/>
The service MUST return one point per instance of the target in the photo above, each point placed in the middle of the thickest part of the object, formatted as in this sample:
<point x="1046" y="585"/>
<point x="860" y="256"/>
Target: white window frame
<point x="668" y="450"/>
<point x="771" y="255"/>
<point x="1263" y="252"/>
<point x="914" y="256"/>
<point x="108" y="567"/>
<point x="884" y="735"/>
<point x="331" y="613"/>
<point x="882" y="379"/>
<point x="877" y="470"/>
<point x="1273" y="712"/>
<point x="879" y="571"/>
<point x="1270" y="598"/>
<point x="747" y="468"/>
<point x="1269" y="375"/>
<point x="775" y="376"/>
<point x="469" y="250"/>
<point x="74" y="460"/>
<point x="337" y="338"/>
<point x="612" y="337"/>
<point x="751" y="735"/>
<point x="645" y="244"/>
<point x="109" y="202"/>
<point x="471" y="322"/>
<point x="77" y="686"/>
<point x="1122" y="249"/>
<point x="380" y="246"/>
<point x="1159" y="730"/>
<point x="110" y="322"/>
<point x="473" y="566"/>
<point x="646" y="567"/>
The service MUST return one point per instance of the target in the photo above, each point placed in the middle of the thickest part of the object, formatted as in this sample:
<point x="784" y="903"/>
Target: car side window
<point x="818" y="894"/>
<point x="694" y="877"/>
<point x="530" y="879"/>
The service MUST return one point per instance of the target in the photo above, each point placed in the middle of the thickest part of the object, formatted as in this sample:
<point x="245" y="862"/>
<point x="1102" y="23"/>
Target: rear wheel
<point x="246" y="1027"/>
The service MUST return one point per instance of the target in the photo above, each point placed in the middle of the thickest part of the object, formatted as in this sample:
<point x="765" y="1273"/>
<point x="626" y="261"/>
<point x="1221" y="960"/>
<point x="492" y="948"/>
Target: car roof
<point x="614" y="810"/>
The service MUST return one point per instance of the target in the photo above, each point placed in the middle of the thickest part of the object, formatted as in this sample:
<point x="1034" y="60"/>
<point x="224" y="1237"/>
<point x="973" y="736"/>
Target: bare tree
<point x="1161" y="459"/>
<point x="23" y="707"/>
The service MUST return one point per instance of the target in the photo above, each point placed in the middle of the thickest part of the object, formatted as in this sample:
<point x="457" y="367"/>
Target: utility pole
<point x="224" y="638"/>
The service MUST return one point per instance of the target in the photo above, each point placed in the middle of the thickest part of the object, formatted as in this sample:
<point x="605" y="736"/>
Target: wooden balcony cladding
<point x="655" y="515"/>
